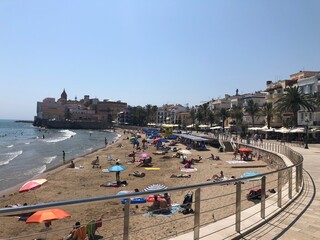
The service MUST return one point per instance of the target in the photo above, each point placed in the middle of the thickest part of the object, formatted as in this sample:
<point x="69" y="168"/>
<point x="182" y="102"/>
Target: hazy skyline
<point x="150" y="52"/>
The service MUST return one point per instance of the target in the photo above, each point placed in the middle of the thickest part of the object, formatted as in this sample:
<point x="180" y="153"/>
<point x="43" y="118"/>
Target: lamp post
<point x="307" y="135"/>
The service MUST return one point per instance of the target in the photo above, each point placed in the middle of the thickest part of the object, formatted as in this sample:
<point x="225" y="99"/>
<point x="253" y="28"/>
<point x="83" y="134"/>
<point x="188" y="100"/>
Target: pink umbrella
<point x="31" y="185"/>
<point x="144" y="155"/>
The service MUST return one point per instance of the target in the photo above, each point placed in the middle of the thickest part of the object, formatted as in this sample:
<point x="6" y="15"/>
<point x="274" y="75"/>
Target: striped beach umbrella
<point x="154" y="187"/>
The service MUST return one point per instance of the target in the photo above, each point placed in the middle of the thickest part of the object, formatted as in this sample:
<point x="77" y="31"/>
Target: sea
<point x="27" y="151"/>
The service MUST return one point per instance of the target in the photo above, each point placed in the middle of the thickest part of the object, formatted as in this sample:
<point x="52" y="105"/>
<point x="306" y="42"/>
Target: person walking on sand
<point x="118" y="174"/>
<point x="64" y="156"/>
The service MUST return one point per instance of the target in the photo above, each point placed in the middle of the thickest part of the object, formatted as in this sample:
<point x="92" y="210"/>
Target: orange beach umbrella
<point x="47" y="215"/>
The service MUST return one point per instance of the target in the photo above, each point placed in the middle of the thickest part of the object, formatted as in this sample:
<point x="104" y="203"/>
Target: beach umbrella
<point x="163" y="140"/>
<point x="184" y="152"/>
<point x="47" y="215"/>
<point x="144" y="155"/>
<point x="32" y="185"/>
<point x="116" y="168"/>
<point x="245" y="150"/>
<point x="154" y="187"/>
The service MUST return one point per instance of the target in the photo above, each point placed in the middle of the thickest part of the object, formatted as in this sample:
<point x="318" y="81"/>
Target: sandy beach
<point x="67" y="184"/>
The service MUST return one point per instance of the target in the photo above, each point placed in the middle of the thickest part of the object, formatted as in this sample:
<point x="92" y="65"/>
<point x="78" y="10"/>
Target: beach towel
<point x="174" y="208"/>
<point x="151" y="169"/>
<point x="77" y="168"/>
<point x="188" y="169"/>
<point x="236" y="162"/>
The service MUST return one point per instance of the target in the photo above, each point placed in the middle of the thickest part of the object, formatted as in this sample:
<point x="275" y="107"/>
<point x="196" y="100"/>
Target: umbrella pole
<point x="34" y="192"/>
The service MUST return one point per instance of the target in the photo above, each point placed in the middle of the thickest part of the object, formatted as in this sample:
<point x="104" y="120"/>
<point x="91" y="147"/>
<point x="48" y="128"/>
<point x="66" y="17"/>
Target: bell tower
<point x="63" y="98"/>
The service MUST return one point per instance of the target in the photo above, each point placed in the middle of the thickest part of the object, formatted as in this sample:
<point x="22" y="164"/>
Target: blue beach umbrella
<point x="117" y="168"/>
<point x="163" y="140"/>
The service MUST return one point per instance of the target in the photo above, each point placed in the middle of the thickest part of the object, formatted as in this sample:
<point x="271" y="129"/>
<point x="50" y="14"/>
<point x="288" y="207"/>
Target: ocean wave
<point x="10" y="146"/>
<point x="48" y="160"/>
<point x="27" y="143"/>
<point x="65" y="135"/>
<point x="35" y="171"/>
<point x="8" y="157"/>
<point x="89" y="149"/>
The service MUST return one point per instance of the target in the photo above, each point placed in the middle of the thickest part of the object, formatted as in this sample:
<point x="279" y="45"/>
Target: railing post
<point x="263" y="197"/>
<point x="297" y="178"/>
<point x="196" y="229"/>
<point x="301" y="174"/>
<point x="279" y="189"/>
<point x="126" y="219"/>
<point x="238" y="206"/>
<point x="290" y="183"/>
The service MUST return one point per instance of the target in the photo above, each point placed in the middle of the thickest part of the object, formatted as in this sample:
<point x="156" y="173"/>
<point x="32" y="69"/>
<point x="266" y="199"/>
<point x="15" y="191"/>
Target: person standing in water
<point x="64" y="156"/>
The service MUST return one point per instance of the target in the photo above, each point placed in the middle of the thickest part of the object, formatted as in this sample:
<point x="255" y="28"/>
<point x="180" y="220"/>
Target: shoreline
<point x="59" y="167"/>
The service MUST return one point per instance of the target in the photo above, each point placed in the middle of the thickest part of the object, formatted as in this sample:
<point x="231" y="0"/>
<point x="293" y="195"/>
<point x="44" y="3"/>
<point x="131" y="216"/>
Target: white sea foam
<point x="10" y="146"/>
<point x="8" y="157"/>
<point x="27" y="143"/>
<point x="89" y="149"/>
<point x="35" y="171"/>
<point x="65" y="135"/>
<point x="48" y="160"/>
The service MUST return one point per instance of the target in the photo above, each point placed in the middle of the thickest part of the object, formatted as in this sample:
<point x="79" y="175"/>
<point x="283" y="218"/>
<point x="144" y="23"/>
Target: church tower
<point x="63" y="98"/>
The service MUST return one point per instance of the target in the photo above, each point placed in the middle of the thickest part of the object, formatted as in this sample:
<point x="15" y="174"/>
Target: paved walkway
<point x="301" y="220"/>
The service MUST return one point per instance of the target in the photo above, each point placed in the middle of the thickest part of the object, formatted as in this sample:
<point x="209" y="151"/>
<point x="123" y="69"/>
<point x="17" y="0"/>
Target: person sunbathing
<point x="95" y="162"/>
<point x="145" y="162"/>
<point x="183" y="175"/>
<point x="197" y="160"/>
<point x="188" y="163"/>
<point x="72" y="165"/>
<point x="217" y="177"/>
<point x="137" y="174"/>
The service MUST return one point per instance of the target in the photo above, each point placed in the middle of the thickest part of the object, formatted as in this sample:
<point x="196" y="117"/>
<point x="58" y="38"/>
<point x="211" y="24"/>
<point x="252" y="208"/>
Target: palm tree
<point x="268" y="111"/>
<point x="148" y="108"/>
<point x="293" y="101"/>
<point x="211" y="117"/>
<point x="193" y="115"/>
<point x="237" y="114"/>
<point x="252" y="109"/>
<point x="202" y="113"/>
<point x="223" y="113"/>
<point x="154" y="110"/>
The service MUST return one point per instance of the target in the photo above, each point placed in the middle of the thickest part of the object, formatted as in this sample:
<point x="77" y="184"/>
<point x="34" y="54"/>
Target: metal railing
<point x="208" y="209"/>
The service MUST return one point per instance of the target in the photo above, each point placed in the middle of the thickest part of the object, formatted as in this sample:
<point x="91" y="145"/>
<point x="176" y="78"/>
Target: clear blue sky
<point x="150" y="52"/>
